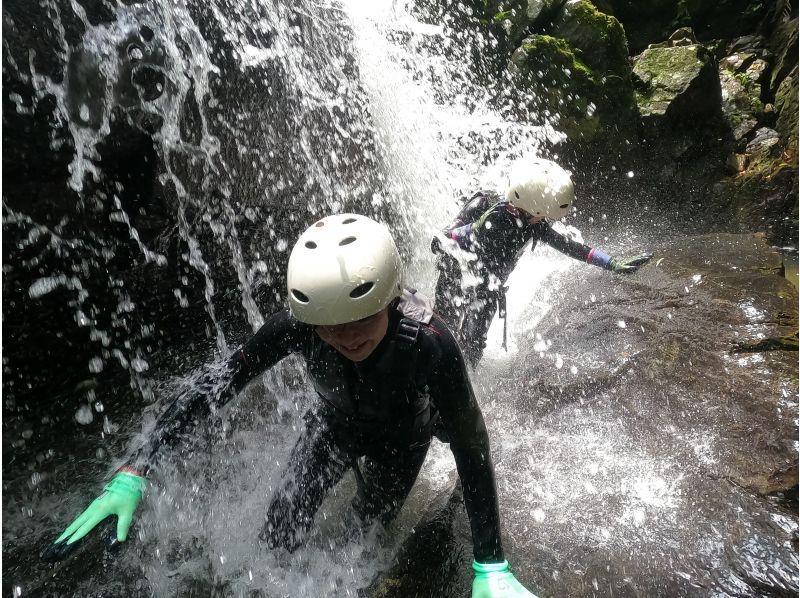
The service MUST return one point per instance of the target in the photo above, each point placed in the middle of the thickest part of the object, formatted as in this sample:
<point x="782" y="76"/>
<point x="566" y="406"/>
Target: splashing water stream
<point x="375" y="115"/>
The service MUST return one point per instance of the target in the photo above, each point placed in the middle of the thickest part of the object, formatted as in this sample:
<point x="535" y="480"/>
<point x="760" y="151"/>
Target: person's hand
<point x="120" y="497"/>
<point x="629" y="265"/>
<point x="495" y="580"/>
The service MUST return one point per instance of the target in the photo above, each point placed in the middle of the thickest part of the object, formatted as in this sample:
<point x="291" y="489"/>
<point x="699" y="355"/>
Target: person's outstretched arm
<point x="451" y="392"/>
<point x="278" y="337"/>
<point x="579" y="251"/>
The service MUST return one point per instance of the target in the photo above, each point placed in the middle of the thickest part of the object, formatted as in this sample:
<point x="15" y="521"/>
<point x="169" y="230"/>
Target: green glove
<point x="495" y="580"/>
<point x="121" y="496"/>
<point x="629" y="265"/>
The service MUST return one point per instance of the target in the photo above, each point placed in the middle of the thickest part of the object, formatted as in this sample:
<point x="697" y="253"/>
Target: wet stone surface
<point x="642" y="454"/>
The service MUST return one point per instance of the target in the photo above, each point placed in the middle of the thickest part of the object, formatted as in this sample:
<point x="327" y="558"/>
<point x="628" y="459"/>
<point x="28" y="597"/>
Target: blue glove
<point x="495" y="580"/>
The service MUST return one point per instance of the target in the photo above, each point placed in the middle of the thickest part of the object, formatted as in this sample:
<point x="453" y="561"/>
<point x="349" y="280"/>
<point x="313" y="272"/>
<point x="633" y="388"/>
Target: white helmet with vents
<point x="541" y="188"/>
<point x="342" y="269"/>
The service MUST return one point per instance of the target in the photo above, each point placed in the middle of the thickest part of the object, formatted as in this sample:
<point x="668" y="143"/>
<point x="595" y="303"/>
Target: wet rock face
<point x="138" y="138"/>
<point x="641" y="451"/>
<point x="787" y="107"/>
<point x="652" y="22"/>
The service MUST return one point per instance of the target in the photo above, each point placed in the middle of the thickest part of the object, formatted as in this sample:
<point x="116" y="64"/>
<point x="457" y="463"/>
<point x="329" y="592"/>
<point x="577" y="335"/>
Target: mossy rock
<point x="555" y="80"/>
<point x="644" y="22"/>
<point x="517" y="16"/>
<point x="589" y="104"/>
<point x="599" y="36"/>
<point x="784" y="42"/>
<point x="764" y="197"/>
<point x="741" y="102"/>
<point x="786" y="106"/>
<point x="681" y="79"/>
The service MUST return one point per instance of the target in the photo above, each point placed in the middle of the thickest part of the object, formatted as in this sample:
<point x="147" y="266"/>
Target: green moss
<point x="600" y="36"/>
<point x="561" y="83"/>
<point x="554" y="57"/>
<point x="664" y="73"/>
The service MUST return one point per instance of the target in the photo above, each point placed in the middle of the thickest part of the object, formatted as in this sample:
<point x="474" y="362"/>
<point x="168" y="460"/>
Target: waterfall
<point x="166" y="156"/>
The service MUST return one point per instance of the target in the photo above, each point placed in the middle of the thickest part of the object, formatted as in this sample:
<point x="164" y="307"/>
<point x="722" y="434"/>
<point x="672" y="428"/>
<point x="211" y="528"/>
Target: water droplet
<point x="135" y="53"/>
<point x="84" y="415"/>
<point x="139" y="365"/>
<point x="108" y="427"/>
<point x="559" y="362"/>
<point x="84" y="113"/>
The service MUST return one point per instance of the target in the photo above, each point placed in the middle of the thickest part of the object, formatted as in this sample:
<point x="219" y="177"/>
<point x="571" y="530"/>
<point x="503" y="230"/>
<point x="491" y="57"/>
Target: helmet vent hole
<point x="299" y="297"/>
<point x="346" y="241"/>
<point x="348" y="220"/>
<point x="311" y="245"/>
<point x="361" y="290"/>
<point x="566" y="205"/>
<point x="516" y="194"/>
<point x="320" y="223"/>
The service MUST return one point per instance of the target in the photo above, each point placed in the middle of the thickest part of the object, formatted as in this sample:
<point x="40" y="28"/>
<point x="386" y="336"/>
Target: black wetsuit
<point x="385" y="409"/>
<point x="496" y="233"/>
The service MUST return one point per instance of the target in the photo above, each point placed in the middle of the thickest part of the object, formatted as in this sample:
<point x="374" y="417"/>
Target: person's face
<point x="357" y="340"/>
<point x="534" y="219"/>
<point x="529" y="217"/>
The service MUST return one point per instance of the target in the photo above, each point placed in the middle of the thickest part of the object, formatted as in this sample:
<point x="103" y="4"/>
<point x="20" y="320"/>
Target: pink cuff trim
<point x="129" y="469"/>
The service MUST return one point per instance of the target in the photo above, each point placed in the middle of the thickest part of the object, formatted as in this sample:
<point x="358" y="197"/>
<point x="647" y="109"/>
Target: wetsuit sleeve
<point x="279" y="336"/>
<point x="451" y="392"/>
<point x="557" y="241"/>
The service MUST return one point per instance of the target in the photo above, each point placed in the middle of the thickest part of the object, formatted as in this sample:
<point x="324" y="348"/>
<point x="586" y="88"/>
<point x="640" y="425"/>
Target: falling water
<point x="264" y="116"/>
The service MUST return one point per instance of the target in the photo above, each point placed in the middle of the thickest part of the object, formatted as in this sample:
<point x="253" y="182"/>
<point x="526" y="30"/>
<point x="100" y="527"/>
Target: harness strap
<point x="402" y="356"/>
<point x="502" y="313"/>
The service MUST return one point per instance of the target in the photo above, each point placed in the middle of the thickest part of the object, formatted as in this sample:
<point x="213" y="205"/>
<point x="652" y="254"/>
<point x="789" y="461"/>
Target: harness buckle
<point x="407" y="331"/>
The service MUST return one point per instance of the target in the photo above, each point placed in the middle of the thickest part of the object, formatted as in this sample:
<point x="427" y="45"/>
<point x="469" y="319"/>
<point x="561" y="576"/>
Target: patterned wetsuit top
<point x="500" y="232"/>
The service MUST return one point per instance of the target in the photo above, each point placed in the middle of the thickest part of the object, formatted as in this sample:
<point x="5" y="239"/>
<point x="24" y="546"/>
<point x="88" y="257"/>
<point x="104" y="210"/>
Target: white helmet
<point x="541" y="188"/>
<point x="343" y="268"/>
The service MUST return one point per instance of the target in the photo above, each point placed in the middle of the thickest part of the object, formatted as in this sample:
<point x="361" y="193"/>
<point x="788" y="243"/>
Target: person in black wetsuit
<point x="493" y="231"/>
<point x="389" y="375"/>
